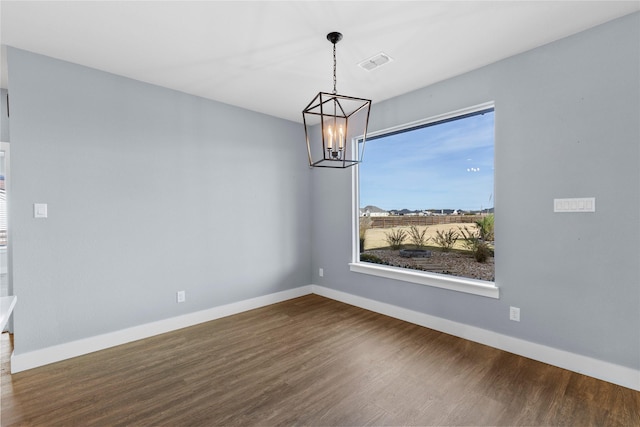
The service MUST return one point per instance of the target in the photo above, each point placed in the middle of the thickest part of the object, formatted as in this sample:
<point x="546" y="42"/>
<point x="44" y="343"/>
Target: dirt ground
<point x="451" y="263"/>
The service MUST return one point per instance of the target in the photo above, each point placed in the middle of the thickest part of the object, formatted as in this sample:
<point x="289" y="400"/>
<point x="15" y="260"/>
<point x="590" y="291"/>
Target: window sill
<point x="459" y="284"/>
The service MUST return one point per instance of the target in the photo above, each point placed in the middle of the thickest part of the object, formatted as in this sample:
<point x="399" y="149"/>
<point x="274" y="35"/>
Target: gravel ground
<point x="452" y="263"/>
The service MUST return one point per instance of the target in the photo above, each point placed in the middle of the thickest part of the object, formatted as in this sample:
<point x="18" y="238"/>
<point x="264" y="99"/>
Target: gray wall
<point x="150" y="191"/>
<point x="567" y="125"/>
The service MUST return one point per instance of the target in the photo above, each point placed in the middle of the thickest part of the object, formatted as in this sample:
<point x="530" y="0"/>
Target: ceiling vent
<point x="375" y="61"/>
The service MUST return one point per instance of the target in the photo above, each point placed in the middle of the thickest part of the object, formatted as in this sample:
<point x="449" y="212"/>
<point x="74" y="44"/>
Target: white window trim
<point x="454" y="283"/>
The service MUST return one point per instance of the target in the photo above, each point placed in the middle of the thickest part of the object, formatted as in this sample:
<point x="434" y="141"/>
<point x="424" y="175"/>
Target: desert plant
<point x="446" y="239"/>
<point x="365" y="224"/>
<point x="482" y="252"/>
<point x="473" y="241"/>
<point x="395" y="238"/>
<point x="470" y="238"/>
<point x="417" y="237"/>
<point x="485" y="227"/>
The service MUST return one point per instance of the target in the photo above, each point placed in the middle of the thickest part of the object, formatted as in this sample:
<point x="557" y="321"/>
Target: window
<point x="424" y="203"/>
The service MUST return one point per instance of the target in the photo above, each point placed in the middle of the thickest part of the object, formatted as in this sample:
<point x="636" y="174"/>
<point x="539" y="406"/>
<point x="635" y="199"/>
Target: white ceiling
<point x="273" y="57"/>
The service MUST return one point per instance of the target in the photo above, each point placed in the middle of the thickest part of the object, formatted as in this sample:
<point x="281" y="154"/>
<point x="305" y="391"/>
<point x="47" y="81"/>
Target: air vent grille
<point x="375" y="61"/>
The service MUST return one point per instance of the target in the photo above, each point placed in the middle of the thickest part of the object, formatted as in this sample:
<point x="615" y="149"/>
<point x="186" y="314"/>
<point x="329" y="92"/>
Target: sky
<point x="445" y="166"/>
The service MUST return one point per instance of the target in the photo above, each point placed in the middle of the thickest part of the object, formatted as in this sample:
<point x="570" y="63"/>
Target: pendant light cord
<point x="335" y="91"/>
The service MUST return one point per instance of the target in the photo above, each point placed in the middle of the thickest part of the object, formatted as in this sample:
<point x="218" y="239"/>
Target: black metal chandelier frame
<point x="335" y="115"/>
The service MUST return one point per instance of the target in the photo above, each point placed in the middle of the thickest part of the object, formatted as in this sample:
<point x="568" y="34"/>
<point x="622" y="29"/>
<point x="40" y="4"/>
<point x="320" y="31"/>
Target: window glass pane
<point x="426" y="197"/>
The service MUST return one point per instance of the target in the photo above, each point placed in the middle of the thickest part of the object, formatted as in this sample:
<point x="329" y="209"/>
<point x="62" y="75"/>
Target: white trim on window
<point x="454" y="283"/>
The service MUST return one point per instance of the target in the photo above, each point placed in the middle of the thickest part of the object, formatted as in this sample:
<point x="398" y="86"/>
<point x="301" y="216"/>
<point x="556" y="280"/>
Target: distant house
<point x="444" y="212"/>
<point x="373" y="211"/>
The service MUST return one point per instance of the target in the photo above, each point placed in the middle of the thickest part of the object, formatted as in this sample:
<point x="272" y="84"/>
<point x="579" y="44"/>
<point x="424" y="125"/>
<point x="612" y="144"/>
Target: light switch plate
<point x="514" y="314"/>
<point x="584" y="204"/>
<point x="39" y="210"/>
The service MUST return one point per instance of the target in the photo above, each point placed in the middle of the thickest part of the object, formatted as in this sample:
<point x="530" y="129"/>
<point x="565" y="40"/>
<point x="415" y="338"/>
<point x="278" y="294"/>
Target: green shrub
<point x="485" y="227"/>
<point x="470" y="239"/>
<point x="473" y="242"/>
<point x="395" y="238"/>
<point x="446" y="239"/>
<point x="483" y="252"/>
<point x="417" y="237"/>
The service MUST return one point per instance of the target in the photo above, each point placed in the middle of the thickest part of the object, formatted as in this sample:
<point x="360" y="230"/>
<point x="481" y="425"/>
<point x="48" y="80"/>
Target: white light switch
<point x="584" y="204"/>
<point x="39" y="210"/>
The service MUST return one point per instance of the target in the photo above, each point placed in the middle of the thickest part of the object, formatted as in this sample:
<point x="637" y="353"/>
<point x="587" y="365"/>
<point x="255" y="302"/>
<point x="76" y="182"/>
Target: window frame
<point x="443" y="281"/>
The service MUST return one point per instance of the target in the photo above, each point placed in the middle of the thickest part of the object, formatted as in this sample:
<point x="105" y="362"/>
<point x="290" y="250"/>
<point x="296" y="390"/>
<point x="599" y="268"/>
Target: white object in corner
<point x="6" y="307"/>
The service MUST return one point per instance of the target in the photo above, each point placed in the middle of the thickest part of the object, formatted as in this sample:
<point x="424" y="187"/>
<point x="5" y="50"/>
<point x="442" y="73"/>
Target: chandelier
<point x="335" y="126"/>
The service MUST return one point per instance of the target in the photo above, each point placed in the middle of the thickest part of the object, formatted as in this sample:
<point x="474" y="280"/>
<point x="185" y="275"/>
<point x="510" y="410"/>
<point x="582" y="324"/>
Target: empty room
<point x="335" y="213"/>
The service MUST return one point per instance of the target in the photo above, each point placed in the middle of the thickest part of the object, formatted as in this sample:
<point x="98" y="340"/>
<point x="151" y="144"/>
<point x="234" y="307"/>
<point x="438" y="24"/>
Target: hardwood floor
<point x="308" y="361"/>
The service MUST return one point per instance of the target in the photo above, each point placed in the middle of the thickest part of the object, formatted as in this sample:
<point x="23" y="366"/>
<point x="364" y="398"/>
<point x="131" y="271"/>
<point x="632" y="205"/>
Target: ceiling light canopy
<point x="335" y="125"/>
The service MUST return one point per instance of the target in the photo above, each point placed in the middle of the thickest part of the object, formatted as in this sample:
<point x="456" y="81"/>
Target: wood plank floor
<point x="308" y="361"/>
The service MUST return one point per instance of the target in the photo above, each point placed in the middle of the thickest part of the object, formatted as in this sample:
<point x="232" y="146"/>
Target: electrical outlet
<point x="321" y="272"/>
<point x="514" y="314"/>
<point x="40" y="210"/>
<point x="181" y="296"/>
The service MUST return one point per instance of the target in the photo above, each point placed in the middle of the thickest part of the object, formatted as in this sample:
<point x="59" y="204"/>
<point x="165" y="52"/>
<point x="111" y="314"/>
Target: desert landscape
<point x="458" y="261"/>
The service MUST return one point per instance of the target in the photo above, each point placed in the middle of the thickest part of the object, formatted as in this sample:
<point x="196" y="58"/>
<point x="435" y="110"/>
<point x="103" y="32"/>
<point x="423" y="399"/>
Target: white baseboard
<point x="599" y="369"/>
<point x="45" y="356"/>
<point x="616" y="374"/>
